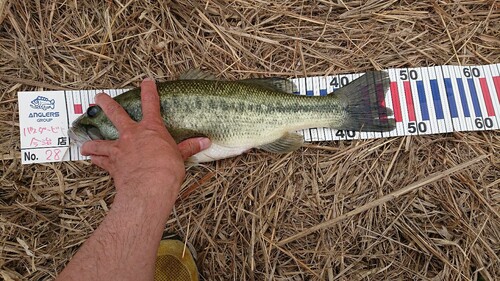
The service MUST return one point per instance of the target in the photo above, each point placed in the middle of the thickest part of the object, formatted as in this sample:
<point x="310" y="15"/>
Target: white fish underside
<point x="216" y="152"/>
<point x="219" y="151"/>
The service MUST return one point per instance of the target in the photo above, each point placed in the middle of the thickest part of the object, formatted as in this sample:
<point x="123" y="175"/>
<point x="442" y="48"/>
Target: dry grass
<point x="424" y="208"/>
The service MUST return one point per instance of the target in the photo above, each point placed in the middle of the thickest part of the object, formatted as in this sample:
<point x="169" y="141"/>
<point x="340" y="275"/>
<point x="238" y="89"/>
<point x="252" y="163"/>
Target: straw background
<point x="419" y="208"/>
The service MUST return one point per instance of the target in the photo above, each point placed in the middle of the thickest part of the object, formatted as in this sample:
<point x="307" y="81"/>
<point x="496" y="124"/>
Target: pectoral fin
<point x="287" y="143"/>
<point x="183" y="134"/>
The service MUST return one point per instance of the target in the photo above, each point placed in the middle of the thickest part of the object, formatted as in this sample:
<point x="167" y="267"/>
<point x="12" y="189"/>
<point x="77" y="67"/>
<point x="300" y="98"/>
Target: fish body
<point x="252" y="113"/>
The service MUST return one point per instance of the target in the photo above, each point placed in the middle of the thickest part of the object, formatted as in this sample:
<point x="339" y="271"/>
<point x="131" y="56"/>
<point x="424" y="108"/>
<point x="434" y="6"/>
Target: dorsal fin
<point x="196" y="74"/>
<point x="273" y="83"/>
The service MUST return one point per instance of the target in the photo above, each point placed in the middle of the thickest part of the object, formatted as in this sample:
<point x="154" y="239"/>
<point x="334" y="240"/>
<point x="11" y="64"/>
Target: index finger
<point x="114" y="111"/>
<point x="150" y="100"/>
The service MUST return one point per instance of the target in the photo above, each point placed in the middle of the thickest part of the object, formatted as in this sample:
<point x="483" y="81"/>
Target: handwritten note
<point x="44" y="126"/>
<point x="44" y="120"/>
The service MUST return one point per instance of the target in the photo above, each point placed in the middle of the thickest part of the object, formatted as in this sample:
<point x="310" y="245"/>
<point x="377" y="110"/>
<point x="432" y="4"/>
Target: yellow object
<point x="175" y="262"/>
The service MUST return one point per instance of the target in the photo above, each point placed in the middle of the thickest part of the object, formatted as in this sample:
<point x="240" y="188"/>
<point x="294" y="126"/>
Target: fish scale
<point x="247" y="116"/>
<point x="252" y="113"/>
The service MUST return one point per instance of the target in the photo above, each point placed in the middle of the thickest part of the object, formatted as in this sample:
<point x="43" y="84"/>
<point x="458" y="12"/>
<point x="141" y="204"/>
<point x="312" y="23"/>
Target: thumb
<point x="192" y="146"/>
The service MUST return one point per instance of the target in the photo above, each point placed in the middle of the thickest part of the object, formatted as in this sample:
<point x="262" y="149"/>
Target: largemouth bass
<point x="253" y="113"/>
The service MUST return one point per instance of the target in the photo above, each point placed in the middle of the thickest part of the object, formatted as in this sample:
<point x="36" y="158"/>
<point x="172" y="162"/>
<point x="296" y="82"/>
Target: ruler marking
<point x="475" y="99"/>
<point x="489" y="75"/>
<point x="437" y="99"/>
<point x="448" y="102"/>
<point x="495" y="71"/>
<point x="335" y="85"/>
<point x="463" y="98"/>
<point x="446" y="105"/>
<point x="433" y="124"/>
<point x="468" y="99"/>
<point x="451" y="98"/>
<point x="496" y="81"/>
<point x="81" y="99"/>
<point x="416" y="103"/>
<point x="322" y="86"/>
<point x="395" y="101"/>
<point x="445" y="98"/>
<point x="422" y="100"/>
<point x="409" y="101"/>
<point x="485" y="122"/>
<point x="309" y="90"/>
<point x="400" y="114"/>
<point x="487" y="98"/>
<point x="311" y="134"/>
<point x="78" y="108"/>
<point x="85" y="98"/>
<point x="315" y="86"/>
<point x="90" y="97"/>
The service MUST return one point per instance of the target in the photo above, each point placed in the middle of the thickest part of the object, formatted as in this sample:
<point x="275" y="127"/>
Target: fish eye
<point x="93" y="111"/>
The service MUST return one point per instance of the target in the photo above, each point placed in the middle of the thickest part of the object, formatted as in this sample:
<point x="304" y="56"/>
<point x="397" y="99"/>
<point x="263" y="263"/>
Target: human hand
<point x="145" y="160"/>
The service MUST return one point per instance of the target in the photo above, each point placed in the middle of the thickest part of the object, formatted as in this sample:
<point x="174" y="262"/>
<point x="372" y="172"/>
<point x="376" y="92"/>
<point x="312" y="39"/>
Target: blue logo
<point x="43" y="103"/>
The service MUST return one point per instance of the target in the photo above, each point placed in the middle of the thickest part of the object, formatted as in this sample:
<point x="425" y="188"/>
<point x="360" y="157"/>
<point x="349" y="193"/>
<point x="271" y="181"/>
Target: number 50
<point x="413" y="127"/>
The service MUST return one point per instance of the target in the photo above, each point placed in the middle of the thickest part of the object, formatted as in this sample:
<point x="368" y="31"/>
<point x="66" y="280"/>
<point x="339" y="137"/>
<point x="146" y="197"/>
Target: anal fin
<point x="287" y="143"/>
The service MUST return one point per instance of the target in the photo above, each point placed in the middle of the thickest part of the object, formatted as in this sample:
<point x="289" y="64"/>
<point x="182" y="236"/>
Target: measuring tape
<point x="425" y="100"/>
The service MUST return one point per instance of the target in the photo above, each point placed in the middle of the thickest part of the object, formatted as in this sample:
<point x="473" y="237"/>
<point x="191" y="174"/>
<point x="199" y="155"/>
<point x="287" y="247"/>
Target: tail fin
<point x="365" y="103"/>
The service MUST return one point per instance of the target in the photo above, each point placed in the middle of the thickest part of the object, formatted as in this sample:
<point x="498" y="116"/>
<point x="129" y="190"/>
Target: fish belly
<point x="216" y="152"/>
<point x="237" y="117"/>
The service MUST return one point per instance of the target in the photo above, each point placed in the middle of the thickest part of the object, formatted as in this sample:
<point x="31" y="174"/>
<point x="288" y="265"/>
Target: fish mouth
<point x="79" y="134"/>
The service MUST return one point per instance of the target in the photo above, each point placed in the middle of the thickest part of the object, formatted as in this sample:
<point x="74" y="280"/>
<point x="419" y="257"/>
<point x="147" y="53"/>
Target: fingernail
<point x="148" y="79"/>
<point x="204" y="143"/>
<point x="99" y="94"/>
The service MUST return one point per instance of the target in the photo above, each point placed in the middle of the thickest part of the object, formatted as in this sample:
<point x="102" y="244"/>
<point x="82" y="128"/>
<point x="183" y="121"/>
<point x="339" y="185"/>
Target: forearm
<point x="147" y="167"/>
<point x="124" y="246"/>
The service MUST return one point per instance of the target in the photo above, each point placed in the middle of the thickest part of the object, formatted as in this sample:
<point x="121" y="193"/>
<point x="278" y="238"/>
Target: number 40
<point x="345" y="133"/>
